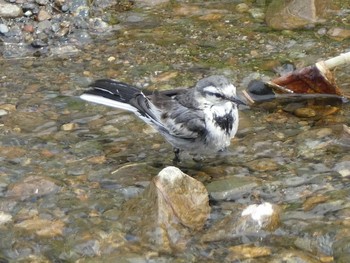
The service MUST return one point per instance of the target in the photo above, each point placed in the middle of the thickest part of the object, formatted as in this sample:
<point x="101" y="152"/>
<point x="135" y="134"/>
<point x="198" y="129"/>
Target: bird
<point x="200" y="120"/>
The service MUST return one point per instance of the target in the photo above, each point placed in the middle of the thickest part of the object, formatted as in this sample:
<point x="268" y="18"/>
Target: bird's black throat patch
<point x="225" y="122"/>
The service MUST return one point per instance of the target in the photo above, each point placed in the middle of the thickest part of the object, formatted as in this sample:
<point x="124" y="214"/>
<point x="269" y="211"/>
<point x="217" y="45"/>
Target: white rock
<point x="343" y="168"/>
<point x="3" y="29"/>
<point x="9" y="10"/>
<point x="4" y="218"/>
<point x="259" y="213"/>
<point x="171" y="175"/>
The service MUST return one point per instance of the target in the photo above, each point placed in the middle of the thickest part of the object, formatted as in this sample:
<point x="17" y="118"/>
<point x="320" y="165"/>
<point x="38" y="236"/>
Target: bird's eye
<point x="218" y="95"/>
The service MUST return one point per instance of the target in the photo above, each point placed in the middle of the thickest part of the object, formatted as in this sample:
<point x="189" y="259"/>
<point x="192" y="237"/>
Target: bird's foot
<point x="176" y="159"/>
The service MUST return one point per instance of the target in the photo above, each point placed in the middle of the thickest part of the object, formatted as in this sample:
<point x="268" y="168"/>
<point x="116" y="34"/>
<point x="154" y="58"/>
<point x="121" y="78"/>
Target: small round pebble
<point x="3" y="29"/>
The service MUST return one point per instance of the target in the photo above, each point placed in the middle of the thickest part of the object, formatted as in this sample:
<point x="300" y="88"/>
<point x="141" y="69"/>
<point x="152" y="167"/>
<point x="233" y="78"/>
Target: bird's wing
<point x="186" y="123"/>
<point x="162" y="110"/>
<point x="180" y="120"/>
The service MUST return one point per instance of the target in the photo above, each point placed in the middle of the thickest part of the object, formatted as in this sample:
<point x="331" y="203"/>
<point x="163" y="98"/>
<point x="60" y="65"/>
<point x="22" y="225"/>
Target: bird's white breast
<point x="218" y="138"/>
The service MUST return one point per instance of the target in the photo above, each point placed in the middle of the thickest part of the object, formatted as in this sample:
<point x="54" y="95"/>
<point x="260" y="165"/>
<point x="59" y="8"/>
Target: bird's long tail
<point x="112" y="93"/>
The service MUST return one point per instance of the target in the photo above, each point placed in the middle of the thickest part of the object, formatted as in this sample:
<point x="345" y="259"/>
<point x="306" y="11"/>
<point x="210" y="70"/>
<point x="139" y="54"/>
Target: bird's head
<point x="215" y="90"/>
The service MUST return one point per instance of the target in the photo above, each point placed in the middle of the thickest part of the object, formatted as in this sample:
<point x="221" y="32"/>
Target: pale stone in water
<point x="69" y="126"/>
<point x="4" y="217"/>
<point x="3" y="112"/>
<point x="9" y="10"/>
<point x="343" y="168"/>
<point x="258" y="212"/>
<point x="241" y="8"/>
<point x="253" y="220"/>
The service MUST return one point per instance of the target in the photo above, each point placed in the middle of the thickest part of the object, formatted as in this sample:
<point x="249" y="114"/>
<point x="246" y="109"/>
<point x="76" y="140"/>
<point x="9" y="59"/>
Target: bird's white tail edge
<point x="108" y="102"/>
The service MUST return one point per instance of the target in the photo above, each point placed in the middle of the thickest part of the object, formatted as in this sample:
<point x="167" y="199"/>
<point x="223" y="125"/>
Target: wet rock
<point x="313" y="142"/>
<point x="242" y="8"/>
<point x="9" y="10"/>
<point x="46" y="128"/>
<point x="31" y="187"/>
<point x="341" y="248"/>
<point x="25" y="121"/>
<point x="43" y="26"/>
<point x="305" y="112"/>
<point x="230" y="188"/>
<point x="165" y="76"/>
<point x="292" y="255"/>
<point x="64" y="50"/>
<point x="97" y="159"/>
<point x="79" y="7"/>
<point x="263" y="165"/>
<point x="211" y="17"/>
<point x="313" y="201"/>
<point x="4" y="218"/>
<point x="42" y="227"/>
<point x="42" y="2"/>
<point x="29" y="6"/>
<point x="12" y="152"/>
<point x="98" y="25"/>
<point x="3" y="29"/>
<point x="43" y="15"/>
<point x="241" y="252"/>
<point x="28" y="28"/>
<point x="264" y="216"/>
<point x="257" y="14"/>
<point x="150" y="2"/>
<point x="296" y="14"/>
<point x="343" y="168"/>
<point x="254" y="220"/>
<point x="338" y="34"/>
<point x="69" y="126"/>
<point x="3" y="112"/>
<point x="171" y="207"/>
<point x="88" y="248"/>
<point x="131" y="174"/>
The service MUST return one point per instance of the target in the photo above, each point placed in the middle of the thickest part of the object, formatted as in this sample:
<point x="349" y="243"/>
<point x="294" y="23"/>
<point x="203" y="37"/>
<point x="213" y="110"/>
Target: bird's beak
<point x="238" y="101"/>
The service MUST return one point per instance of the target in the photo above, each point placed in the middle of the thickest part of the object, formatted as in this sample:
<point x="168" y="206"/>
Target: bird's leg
<point x="176" y="159"/>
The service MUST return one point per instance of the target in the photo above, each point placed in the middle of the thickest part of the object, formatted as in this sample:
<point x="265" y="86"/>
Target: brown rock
<point x="313" y="201"/>
<point x="32" y="186"/>
<point x="171" y="207"/>
<point x="296" y="13"/>
<point x="338" y="33"/>
<point x="43" y="15"/>
<point x="8" y="107"/>
<point x="241" y="252"/>
<point x="11" y="152"/>
<point x="211" y="17"/>
<point x="42" y="227"/>
<point x="28" y="28"/>
<point x="263" y="165"/>
<point x="97" y="159"/>
<point x="305" y="112"/>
